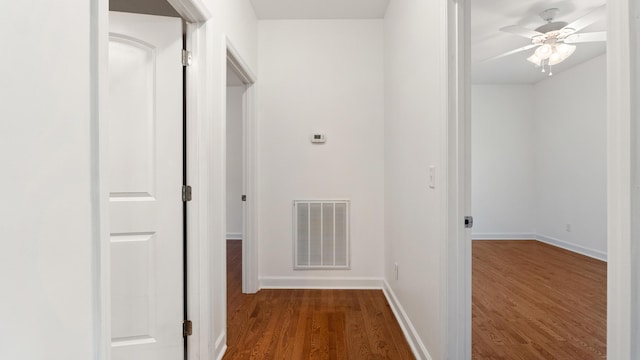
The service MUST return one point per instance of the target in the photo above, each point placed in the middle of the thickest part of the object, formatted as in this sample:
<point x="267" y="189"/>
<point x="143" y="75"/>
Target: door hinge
<point x="244" y="197"/>
<point x="187" y="328"/>
<point x="468" y="222"/>
<point x="186" y="193"/>
<point x="186" y="58"/>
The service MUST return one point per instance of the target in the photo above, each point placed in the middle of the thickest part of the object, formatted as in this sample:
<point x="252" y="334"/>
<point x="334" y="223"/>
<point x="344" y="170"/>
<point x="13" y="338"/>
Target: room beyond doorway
<point x="539" y="172"/>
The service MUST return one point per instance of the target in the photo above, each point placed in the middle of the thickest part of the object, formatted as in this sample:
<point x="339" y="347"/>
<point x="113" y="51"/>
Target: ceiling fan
<point x="553" y="40"/>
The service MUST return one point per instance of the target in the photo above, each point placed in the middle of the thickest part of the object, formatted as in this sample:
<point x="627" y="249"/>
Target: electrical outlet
<point x="396" y="266"/>
<point x="568" y="228"/>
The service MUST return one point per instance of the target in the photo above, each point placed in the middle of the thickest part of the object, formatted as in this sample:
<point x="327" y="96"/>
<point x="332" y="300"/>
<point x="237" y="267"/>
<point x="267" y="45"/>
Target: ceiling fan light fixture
<point x="544" y="51"/>
<point x="565" y="50"/>
<point x="560" y="53"/>
<point x="539" y="39"/>
<point x="555" y="58"/>
<point x="535" y="60"/>
<point x="552" y="41"/>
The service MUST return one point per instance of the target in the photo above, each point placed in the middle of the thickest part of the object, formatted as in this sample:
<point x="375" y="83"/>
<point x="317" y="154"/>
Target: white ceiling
<point x="487" y="16"/>
<point x="320" y="9"/>
<point x="150" y="7"/>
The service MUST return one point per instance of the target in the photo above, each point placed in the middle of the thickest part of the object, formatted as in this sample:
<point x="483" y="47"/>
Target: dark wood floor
<point x="308" y="324"/>
<point x="535" y="301"/>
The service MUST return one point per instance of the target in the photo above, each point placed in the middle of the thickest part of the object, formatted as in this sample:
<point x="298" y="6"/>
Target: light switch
<point x="432" y="177"/>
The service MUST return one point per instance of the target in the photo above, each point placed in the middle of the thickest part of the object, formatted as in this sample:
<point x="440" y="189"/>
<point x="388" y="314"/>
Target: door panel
<point x="145" y="180"/>
<point x="132" y="97"/>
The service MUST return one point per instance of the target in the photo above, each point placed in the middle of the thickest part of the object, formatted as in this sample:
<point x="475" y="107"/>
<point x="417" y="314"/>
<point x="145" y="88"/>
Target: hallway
<point x="308" y="324"/>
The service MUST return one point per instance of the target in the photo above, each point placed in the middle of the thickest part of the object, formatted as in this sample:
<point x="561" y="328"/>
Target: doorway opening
<point x="240" y="243"/>
<point x="236" y="198"/>
<point x="538" y="184"/>
<point x="235" y="156"/>
<point x="146" y="306"/>
<point x="240" y="166"/>
<point x="147" y="218"/>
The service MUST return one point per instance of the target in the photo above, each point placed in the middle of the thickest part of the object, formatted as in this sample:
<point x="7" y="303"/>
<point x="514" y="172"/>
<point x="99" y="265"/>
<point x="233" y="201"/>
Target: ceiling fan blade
<point x="588" y="19"/>
<point x="524" y="48"/>
<point x="520" y="31"/>
<point x="586" y="37"/>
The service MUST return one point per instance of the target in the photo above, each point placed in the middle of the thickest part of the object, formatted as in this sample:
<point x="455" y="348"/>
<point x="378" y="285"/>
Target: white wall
<point x="503" y="161"/>
<point x="326" y="76"/>
<point x="415" y="138"/>
<point x="539" y="160"/>
<point x="234" y="161"/>
<point x="46" y="252"/>
<point x="570" y="112"/>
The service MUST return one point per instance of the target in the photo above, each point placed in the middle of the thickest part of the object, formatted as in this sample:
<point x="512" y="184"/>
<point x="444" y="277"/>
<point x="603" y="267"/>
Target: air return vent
<point x="321" y="234"/>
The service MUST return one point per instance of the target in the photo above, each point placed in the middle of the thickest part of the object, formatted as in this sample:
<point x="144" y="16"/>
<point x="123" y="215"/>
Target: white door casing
<point x="235" y="63"/>
<point x="145" y="178"/>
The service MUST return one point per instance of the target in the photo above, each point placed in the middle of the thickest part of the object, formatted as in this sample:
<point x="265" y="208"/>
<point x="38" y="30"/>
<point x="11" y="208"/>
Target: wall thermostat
<point x="318" y="138"/>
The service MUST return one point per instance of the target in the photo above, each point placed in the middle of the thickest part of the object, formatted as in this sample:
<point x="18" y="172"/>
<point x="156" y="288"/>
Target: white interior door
<point x="145" y="181"/>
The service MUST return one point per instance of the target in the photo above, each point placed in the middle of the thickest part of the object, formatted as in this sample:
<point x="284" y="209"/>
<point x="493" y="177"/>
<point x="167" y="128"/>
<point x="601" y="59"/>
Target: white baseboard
<point x="501" y="236"/>
<point x="596" y="254"/>
<point x="299" y="282"/>
<point x="234" y="236"/>
<point x="220" y="346"/>
<point x="417" y="346"/>
<point x="545" y="239"/>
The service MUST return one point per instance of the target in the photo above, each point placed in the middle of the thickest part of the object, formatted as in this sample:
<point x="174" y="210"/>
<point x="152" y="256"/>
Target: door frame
<point x="456" y="279"/>
<point x="195" y="13"/>
<point x="250" y="284"/>
<point x="623" y="194"/>
<point x="623" y="211"/>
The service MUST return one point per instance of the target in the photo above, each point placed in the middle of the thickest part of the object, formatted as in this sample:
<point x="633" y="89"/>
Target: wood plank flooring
<point x="535" y="301"/>
<point x="308" y="324"/>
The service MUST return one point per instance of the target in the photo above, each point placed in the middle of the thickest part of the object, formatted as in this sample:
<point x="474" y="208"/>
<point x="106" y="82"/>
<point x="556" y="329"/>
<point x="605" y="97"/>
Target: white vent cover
<point x="321" y="234"/>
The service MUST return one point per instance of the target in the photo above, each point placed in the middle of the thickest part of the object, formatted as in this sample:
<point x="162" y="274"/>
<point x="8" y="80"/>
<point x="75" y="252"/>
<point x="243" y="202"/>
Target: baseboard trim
<point x="596" y="254"/>
<point x="298" y="282"/>
<point x="503" y="236"/>
<point x="234" y="236"/>
<point x="220" y="346"/>
<point x="410" y="333"/>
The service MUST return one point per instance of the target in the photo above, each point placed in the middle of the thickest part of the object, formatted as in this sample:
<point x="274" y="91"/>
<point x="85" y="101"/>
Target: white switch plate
<point x="432" y="177"/>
